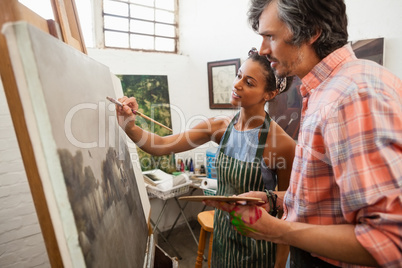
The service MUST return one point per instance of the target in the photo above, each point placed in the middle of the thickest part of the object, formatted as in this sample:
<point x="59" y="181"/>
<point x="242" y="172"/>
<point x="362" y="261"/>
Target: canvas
<point x="88" y="178"/>
<point x="369" y="49"/>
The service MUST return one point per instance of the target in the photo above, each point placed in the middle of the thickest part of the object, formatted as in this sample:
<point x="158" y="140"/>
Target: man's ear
<point x="315" y="37"/>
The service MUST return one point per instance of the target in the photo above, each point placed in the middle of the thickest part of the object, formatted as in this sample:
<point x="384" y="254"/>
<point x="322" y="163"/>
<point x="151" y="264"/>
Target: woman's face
<point x="249" y="85"/>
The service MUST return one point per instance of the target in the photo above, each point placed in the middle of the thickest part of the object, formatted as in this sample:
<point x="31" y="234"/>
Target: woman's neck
<point x="249" y="119"/>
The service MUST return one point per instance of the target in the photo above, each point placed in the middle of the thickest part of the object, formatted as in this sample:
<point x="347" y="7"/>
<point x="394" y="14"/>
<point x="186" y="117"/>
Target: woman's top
<point x="242" y="145"/>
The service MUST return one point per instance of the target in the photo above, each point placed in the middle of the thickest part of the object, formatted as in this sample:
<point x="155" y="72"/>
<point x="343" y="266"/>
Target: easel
<point x="66" y="27"/>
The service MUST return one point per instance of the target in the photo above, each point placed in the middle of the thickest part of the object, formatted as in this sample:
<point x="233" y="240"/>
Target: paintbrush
<point x="138" y="113"/>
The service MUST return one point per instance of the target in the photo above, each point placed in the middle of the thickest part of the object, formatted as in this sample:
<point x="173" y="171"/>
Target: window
<point x="149" y="25"/>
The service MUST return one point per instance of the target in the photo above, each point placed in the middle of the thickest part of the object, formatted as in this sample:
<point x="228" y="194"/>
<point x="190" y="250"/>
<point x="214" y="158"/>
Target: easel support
<point x="10" y="11"/>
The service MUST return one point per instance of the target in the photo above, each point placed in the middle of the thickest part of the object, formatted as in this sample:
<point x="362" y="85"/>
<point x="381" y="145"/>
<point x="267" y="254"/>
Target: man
<point x="343" y="206"/>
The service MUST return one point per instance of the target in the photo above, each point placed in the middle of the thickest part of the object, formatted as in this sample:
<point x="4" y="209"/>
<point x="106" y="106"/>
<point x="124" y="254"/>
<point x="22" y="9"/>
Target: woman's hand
<point x="125" y="115"/>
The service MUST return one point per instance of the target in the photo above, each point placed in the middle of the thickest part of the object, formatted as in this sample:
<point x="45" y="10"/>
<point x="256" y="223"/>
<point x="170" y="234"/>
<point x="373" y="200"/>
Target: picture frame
<point x="220" y="80"/>
<point x="143" y="88"/>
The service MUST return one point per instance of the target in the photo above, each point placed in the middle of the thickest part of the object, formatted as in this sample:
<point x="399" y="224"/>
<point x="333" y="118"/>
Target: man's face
<point x="286" y="59"/>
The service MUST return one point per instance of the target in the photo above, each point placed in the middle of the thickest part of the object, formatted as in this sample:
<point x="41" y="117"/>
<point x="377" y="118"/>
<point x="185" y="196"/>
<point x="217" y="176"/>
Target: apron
<point x="230" y="249"/>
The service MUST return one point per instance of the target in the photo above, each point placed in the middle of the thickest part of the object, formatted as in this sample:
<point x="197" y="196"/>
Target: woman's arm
<point x="209" y="130"/>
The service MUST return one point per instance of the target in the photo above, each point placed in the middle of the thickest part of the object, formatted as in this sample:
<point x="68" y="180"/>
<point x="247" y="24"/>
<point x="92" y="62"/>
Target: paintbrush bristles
<point x="114" y="101"/>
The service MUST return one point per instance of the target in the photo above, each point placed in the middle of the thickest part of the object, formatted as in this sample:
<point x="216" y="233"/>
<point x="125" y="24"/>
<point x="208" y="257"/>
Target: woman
<point x="254" y="154"/>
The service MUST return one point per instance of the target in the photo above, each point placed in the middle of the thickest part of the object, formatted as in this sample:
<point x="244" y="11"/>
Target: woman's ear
<point x="270" y="95"/>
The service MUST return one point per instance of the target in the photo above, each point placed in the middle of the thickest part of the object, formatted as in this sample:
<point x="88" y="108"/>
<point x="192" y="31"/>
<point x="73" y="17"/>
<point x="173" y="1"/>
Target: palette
<point x="228" y="199"/>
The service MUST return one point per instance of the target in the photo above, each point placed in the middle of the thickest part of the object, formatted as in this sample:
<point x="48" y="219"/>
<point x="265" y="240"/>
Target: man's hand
<point x="250" y="220"/>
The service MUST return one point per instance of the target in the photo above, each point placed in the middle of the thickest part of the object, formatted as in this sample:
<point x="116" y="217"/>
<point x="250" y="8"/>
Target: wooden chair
<point x="206" y="220"/>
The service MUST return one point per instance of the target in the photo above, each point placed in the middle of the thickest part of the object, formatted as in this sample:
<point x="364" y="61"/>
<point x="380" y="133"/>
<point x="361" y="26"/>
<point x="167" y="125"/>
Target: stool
<point x="206" y="220"/>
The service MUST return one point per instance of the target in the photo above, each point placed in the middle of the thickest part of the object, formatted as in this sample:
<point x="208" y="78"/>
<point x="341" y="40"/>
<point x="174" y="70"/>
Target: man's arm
<point x="336" y="242"/>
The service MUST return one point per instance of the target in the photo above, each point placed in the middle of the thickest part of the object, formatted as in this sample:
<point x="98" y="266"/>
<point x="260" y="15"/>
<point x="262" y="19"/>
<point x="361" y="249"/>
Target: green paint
<point x="240" y="225"/>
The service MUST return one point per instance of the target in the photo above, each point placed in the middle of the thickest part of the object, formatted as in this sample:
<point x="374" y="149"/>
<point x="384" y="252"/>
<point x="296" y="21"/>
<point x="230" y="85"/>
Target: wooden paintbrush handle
<point x="139" y="113"/>
<point x="152" y="120"/>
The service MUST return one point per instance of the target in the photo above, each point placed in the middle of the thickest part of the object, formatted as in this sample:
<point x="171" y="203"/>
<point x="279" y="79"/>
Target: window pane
<point x="113" y="39"/>
<point x="164" y="16"/>
<point x="41" y="7"/>
<point x="85" y="14"/>
<point x="165" y="4"/>
<point x="165" y="30"/>
<point x="139" y="12"/>
<point x="115" y="8"/>
<point x="142" y="42"/>
<point x="134" y="24"/>
<point x="164" y="44"/>
<point x="141" y="27"/>
<point x="149" y="3"/>
<point x="113" y="23"/>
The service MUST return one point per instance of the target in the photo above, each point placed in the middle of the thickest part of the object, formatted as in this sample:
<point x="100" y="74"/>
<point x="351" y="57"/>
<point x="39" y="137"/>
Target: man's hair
<point x="305" y="18"/>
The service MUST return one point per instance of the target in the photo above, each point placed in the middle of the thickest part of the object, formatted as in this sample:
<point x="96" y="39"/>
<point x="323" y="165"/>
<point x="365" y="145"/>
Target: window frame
<point x="100" y="39"/>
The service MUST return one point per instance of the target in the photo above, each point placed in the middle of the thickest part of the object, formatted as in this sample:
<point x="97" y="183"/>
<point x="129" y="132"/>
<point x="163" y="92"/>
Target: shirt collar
<point x="324" y="68"/>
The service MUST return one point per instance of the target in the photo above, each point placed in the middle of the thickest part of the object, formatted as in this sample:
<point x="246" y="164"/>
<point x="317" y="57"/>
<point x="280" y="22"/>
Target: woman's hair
<point x="272" y="82"/>
<point x="305" y="18"/>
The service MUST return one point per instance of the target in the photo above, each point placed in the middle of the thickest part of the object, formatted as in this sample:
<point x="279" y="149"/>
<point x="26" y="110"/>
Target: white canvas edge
<point x="44" y="146"/>
<point x="146" y="206"/>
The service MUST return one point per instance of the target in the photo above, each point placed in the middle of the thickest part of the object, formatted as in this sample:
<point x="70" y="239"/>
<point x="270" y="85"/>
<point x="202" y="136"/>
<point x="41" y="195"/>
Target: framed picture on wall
<point x="369" y="49"/>
<point x="220" y="79"/>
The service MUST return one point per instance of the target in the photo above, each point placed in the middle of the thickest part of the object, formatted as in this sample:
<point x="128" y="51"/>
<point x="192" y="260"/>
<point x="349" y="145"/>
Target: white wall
<point x="378" y="18"/>
<point x="210" y="30"/>
<point x="21" y="241"/>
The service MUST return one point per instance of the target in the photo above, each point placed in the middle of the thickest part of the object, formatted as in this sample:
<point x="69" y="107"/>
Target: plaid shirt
<point x="348" y="163"/>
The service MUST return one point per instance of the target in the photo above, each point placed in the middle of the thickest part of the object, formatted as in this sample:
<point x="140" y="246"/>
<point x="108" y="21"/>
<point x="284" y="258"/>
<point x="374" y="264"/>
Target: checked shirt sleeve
<point x="365" y="144"/>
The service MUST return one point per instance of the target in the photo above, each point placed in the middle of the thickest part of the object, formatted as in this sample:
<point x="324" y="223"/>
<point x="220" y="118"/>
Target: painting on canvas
<point x="369" y="49"/>
<point x="83" y="160"/>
